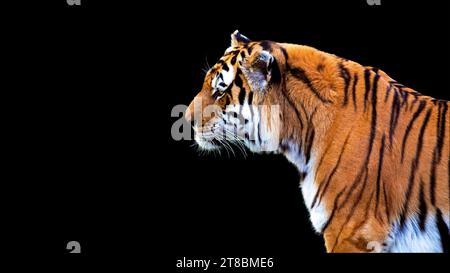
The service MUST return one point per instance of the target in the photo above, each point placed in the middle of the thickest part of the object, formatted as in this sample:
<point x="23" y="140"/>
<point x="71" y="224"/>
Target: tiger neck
<point x="308" y="104"/>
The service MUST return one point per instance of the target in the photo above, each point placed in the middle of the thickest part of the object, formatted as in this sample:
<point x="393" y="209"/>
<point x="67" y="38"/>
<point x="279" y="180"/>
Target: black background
<point x="93" y="159"/>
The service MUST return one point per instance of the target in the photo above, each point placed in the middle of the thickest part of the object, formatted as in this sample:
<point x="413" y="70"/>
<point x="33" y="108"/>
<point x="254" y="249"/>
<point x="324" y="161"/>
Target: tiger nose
<point x="194" y="113"/>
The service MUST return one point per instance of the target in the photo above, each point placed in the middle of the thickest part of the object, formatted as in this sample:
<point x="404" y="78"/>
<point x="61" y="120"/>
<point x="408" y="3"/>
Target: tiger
<point x="372" y="154"/>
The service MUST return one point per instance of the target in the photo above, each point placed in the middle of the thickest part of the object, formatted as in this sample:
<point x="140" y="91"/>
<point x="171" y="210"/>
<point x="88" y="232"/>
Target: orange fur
<point x="354" y="118"/>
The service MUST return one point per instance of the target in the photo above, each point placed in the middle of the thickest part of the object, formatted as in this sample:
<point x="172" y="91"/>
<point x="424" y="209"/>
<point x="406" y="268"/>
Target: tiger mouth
<point x="207" y="143"/>
<point x="206" y="138"/>
<point x="215" y="136"/>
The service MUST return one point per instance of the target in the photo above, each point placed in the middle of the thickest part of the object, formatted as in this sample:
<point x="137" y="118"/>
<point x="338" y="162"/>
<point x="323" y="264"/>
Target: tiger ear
<point x="258" y="70"/>
<point x="238" y="39"/>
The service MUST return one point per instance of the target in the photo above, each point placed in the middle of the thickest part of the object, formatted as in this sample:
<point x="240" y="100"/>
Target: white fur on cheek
<point x="228" y="76"/>
<point x="253" y="125"/>
<point x="224" y="77"/>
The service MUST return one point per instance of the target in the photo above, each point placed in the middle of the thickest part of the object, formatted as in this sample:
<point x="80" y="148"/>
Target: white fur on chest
<point x="411" y="239"/>
<point x="318" y="214"/>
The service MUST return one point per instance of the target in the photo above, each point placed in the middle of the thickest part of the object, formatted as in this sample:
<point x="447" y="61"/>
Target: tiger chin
<point x="372" y="154"/>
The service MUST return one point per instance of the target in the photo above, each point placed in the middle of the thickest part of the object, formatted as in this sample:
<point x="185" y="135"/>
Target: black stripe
<point x="233" y="60"/>
<point x="228" y="90"/>
<point x="422" y="208"/>
<point x="216" y="95"/>
<point x="249" y="50"/>
<point x="442" y="128"/>
<point x="309" y="136"/>
<point x="414" y="166"/>
<point x="355" y="81"/>
<point x="266" y="45"/>
<point x="356" y="182"/>
<point x="386" y="205"/>
<point x="322" y="158"/>
<point x="409" y="127"/>
<point x="242" y="96"/>
<point x="438" y="124"/>
<point x="374" y="99"/>
<point x="330" y="176"/>
<point x="300" y="74"/>
<point x="362" y="175"/>
<point x="227" y="99"/>
<point x="275" y="74"/>
<point x="415" y="93"/>
<point x="380" y="166"/>
<point x="352" y="210"/>
<point x="373" y="129"/>
<point x="292" y="105"/>
<point x="309" y="139"/>
<point x="259" y="126"/>
<point x="395" y="113"/>
<point x="404" y="97"/>
<point x="319" y="190"/>
<point x="388" y="91"/>
<point x="367" y="87"/>
<point x="285" y="54"/>
<point x="302" y="107"/>
<point x="434" y="161"/>
<point x="223" y="64"/>
<point x="225" y="67"/>
<point x="364" y="167"/>
<point x="336" y="200"/>
<point x="345" y="74"/>
<point x="320" y="67"/>
<point x="365" y="217"/>
<point x="443" y="231"/>
<point x="437" y="153"/>
<point x="416" y="98"/>
<point x="283" y="147"/>
<point x="238" y="79"/>
<point x="250" y="98"/>
<point x="238" y="82"/>
<point x="302" y="176"/>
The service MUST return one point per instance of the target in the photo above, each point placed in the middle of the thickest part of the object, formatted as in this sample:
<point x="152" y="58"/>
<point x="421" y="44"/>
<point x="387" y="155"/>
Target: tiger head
<point x="237" y="100"/>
